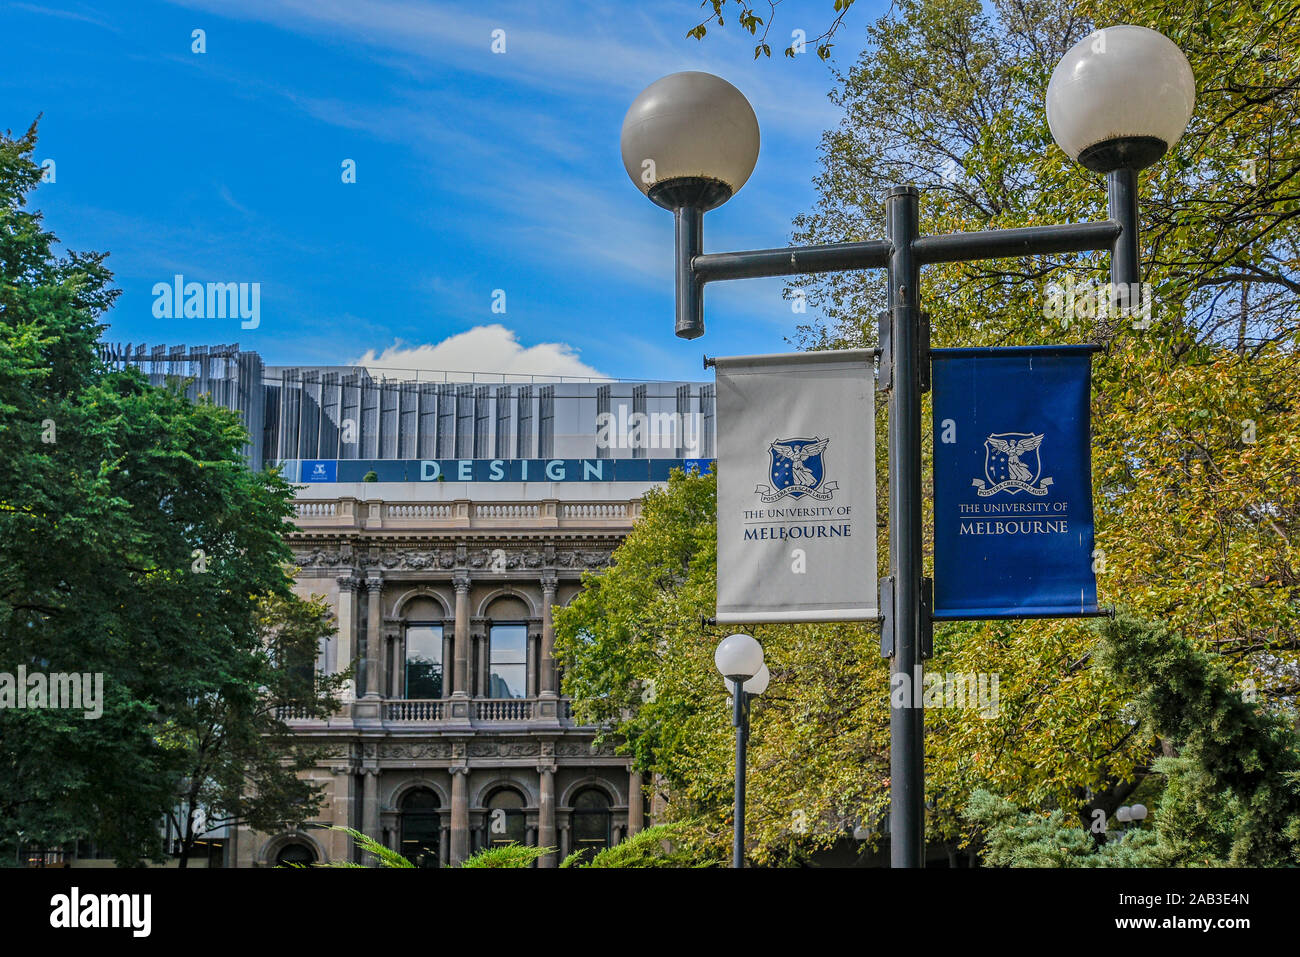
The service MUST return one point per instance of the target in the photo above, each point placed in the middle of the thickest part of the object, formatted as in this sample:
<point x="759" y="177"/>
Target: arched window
<point x="505" y="819"/>
<point x="420" y="829"/>
<point x="295" y="854"/>
<point x="591" y="822"/>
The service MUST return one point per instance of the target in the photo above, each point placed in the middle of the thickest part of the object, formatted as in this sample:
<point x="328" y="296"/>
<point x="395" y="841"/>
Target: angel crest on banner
<point x="1006" y="468"/>
<point x="797" y="468"/>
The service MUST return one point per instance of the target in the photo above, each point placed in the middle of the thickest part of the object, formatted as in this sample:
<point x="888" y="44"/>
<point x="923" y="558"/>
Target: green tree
<point x="1196" y="413"/>
<point x="1196" y="438"/>
<point x="503" y="855"/>
<point x="242" y="766"/>
<point x="135" y="544"/>
<point x="1227" y="785"/>
<point x="639" y="662"/>
<point x="664" y="845"/>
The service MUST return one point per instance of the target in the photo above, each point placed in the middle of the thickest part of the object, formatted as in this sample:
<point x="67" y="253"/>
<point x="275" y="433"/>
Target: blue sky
<point x="475" y="172"/>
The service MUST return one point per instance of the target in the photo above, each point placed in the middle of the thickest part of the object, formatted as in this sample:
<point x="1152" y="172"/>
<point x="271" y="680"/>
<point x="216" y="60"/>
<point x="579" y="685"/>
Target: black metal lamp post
<point x="1117" y="101"/>
<point x="740" y="659"/>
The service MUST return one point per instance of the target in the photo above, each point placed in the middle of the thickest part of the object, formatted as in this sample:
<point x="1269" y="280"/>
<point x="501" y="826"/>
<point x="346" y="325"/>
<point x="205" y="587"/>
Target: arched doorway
<point x="295" y="854"/>
<point x="591" y="822"/>
<point x="506" y="822"/>
<point x="420" y="828"/>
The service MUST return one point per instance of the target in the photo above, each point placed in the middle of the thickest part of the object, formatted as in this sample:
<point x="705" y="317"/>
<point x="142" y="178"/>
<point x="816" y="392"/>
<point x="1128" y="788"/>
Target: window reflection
<point x="424" y="661"/>
<point x="508" y="661"/>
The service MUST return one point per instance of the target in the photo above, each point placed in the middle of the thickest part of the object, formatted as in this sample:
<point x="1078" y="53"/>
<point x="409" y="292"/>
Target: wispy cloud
<point x="65" y="15"/>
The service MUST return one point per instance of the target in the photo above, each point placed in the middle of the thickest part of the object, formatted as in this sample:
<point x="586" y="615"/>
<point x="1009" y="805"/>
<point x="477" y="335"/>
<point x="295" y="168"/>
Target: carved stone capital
<point x="461" y="584"/>
<point x="374" y="584"/>
<point x="459" y="769"/>
<point x="550" y="582"/>
<point x="349" y="583"/>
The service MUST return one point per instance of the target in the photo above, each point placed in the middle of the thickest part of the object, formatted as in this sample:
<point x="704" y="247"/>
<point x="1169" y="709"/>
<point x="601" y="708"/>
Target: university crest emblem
<point x="1012" y="464"/>
<point x="797" y="468"/>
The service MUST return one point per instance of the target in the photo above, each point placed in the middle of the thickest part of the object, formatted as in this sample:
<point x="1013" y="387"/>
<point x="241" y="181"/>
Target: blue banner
<point x="1013" y="533"/>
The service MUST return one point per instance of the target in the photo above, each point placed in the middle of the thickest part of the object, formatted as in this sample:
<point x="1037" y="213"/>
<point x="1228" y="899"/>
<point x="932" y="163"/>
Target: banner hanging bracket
<point x="926" y="649"/>
<point x="885" y="336"/>
<point x="923" y="351"/>
<point x="887" y="616"/>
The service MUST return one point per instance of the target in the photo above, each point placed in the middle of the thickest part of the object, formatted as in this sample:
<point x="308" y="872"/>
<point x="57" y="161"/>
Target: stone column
<point x="635" y="804"/>
<point x="347" y="637"/>
<point x="448" y="657"/>
<point x="459" y="815"/>
<point x="547" y="676"/>
<point x="374" y="639"/>
<point x="460" y="681"/>
<point x="546" y="813"/>
<point x="370" y="803"/>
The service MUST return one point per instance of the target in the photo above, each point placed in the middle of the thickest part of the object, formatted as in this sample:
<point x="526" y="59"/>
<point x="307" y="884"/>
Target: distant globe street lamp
<point x="740" y="659"/>
<point x="1131" y="815"/>
<point x="1117" y="102"/>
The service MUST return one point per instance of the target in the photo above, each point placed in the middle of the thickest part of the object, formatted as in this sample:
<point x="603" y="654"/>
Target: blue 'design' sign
<point x="1013" y="523"/>
<point x="489" y="470"/>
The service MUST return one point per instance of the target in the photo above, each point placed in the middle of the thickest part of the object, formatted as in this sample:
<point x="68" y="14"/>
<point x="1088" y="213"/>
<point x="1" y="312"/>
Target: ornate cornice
<point x="493" y="557"/>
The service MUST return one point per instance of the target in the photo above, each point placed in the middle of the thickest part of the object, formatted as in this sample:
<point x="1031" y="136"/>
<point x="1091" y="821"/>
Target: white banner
<point x="797" y="487"/>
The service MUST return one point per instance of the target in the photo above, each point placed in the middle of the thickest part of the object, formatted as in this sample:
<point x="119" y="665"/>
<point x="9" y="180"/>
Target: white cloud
<point x="493" y="349"/>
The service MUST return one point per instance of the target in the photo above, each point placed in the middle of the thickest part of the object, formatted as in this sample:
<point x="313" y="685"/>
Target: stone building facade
<point x="494" y="756"/>
<point x="443" y="516"/>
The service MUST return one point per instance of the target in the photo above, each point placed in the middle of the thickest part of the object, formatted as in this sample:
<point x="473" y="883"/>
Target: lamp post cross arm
<point x="874" y="254"/>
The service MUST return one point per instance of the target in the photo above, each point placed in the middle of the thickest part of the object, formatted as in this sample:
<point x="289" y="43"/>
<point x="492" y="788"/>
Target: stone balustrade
<point x="347" y="513"/>
<point x="433" y="711"/>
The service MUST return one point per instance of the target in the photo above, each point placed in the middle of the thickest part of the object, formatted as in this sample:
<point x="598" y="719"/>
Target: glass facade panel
<point x="508" y="661"/>
<point x="424" y="661"/>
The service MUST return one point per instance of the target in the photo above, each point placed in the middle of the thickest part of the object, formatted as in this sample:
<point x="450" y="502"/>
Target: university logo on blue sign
<point x="320" y="470"/>
<point x="1012" y="464"/>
